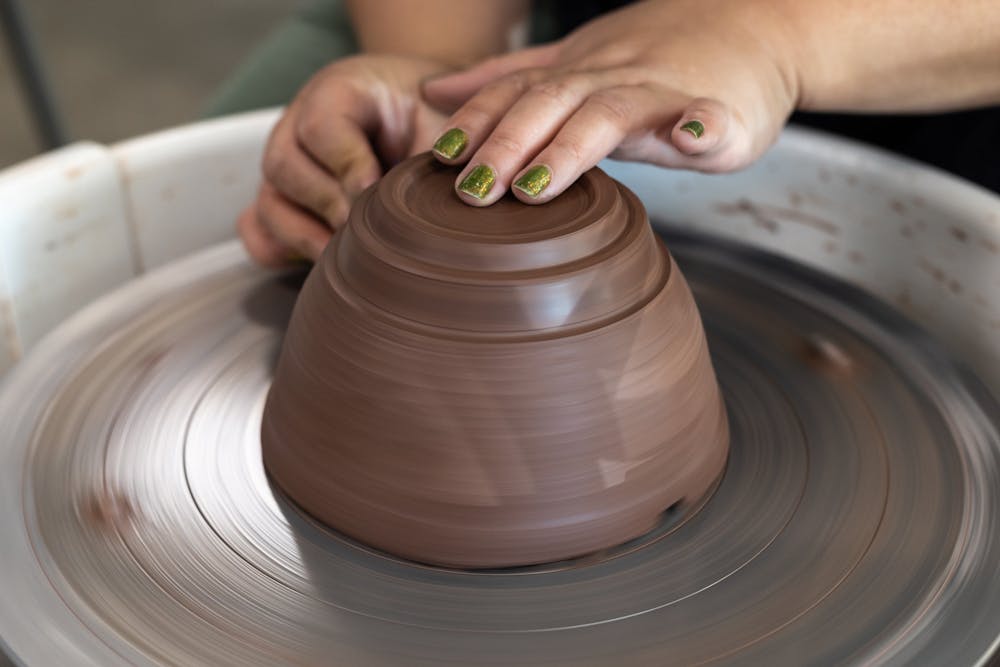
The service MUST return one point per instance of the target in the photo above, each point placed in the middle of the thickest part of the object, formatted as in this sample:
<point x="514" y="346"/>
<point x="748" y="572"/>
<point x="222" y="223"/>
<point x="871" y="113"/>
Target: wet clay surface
<point x="491" y="387"/>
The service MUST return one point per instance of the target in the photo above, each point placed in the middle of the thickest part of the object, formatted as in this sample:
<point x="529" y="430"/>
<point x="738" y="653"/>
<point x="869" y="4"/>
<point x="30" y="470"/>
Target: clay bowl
<point x="492" y="387"/>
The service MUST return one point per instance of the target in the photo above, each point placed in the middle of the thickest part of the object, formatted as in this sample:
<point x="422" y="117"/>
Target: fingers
<point x="341" y="146"/>
<point x="623" y="122"/>
<point x="707" y="136"/>
<point x="702" y="126"/>
<point x="519" y="132"/>
<point x="539" y="129"/>
<point x="260" y="245"/>
<point x="314" y="167"/>
<point x="600" y="125"/>
<point x="470" y="125"/>
<point x="290" y="226"/>
<point x="447" y="93"/>
<point x="299" y="178"/>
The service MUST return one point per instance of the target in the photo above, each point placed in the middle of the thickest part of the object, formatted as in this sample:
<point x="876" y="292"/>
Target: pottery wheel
<point x="856" y="520"/>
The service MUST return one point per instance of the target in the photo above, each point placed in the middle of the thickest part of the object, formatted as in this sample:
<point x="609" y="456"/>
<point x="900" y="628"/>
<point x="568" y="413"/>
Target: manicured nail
<point x="451" y="144"/>
<point x="479" y="182"/>
<point x="534" y="180"/>
<point x="695" y="127"/>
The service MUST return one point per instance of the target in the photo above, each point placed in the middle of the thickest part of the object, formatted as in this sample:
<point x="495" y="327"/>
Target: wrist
<point x="785" y="46"/>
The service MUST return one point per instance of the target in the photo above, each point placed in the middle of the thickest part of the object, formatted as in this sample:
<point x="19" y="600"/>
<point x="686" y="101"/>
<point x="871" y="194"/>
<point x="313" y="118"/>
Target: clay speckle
<point x="826" y="356"/>
<point x="960" y="234"/>
<point x="897" y="206"/>
<point x="768" y="216"/>
<point x="855" y="257"/>
<point x="906" y="232"/>
<point x="830" y="246"/>
<point x="991" y="246"/>
<point x="73" y="173"/>
<point x="107" y="509"/>
<point x="52" y="245"/>
<point x="935" y="271"/>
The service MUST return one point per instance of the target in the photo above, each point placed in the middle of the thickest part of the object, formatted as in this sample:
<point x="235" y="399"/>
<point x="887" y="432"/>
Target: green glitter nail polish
<point x="534" y="180"/>
<point x="451" y="144"/>
<point x="695" y="127"/>
<point x="479" y="182"/>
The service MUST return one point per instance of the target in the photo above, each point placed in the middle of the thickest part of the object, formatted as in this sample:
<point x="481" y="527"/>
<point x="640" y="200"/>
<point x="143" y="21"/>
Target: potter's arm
<point x="896" y="55"/>
<point x="705" y="84"/>
<point x="457" y="33"/>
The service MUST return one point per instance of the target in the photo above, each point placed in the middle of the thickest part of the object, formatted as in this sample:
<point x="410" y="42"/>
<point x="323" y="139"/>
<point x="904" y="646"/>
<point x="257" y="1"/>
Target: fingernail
<point x="479" y="182"/>
<point x="451" y="144"/>
<point x="695" y="127"/>
<point x="533" y="181"/>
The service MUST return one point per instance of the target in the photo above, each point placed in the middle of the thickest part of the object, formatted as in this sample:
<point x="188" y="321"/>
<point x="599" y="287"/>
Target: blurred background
<point x="119" y="68"/>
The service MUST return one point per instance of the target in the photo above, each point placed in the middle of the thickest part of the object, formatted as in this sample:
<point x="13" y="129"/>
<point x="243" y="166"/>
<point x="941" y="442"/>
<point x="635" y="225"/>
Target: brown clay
<point x="489" y="387"/>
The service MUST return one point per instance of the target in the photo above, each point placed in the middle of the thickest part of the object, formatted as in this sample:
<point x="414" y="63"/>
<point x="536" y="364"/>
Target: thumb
<point x="447" y="93"/>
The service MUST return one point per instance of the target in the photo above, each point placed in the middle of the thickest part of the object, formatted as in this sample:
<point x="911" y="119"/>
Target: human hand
<point x="690" y="84"/>
<point x="353" y="117"/>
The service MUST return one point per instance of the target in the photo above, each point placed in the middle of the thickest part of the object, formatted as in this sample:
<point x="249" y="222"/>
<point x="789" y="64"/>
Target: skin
<point x="625" y="85"/>
<point x="361" y="114"/>
<point x="330" y="144"/>
<point x="616" y="87"/>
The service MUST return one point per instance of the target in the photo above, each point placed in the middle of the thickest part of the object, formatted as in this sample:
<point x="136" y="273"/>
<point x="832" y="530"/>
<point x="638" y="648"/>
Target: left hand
<point x="690" y="84"/>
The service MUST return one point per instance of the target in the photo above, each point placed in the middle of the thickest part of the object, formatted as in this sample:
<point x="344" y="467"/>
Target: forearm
<point x="457" y="33"/>
<point x="893" y="55"/>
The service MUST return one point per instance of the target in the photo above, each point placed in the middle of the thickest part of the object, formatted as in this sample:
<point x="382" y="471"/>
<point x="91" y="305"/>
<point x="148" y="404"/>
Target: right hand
<point x="353" y="117"/>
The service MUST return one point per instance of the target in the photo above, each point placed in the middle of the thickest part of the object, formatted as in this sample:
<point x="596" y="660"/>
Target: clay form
<point x="490" y="387"/>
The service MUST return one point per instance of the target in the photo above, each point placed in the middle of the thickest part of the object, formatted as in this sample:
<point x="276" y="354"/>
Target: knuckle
<point x="613" y="108"/>
<point x="500" y="87"/>
<point x="474" y="113"/>
<point x="266" y="212"/>
<point x="563" y="91"/>
<point x="264" y="218"/>
<point x="517" y="81"/>
<point x="572" y="145"/>
<point x="505" y="86"/>
<point x="349" y="159"/>
<point x="322" y="202"/>
<point x="507" y="142"/>
<point x="275" y="166"/>
<point x="310" y="130"/>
